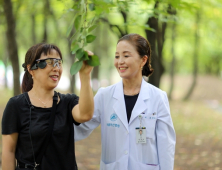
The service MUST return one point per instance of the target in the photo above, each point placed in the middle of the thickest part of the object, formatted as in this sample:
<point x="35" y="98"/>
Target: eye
<point x="116" y="56"/>
<point x="126" y="56"/>
<point x="49" y="61"/>
<point x="60" y="62"/>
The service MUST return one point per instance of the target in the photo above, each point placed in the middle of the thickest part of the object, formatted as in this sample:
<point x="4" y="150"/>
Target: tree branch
<point x="121" y="33"/>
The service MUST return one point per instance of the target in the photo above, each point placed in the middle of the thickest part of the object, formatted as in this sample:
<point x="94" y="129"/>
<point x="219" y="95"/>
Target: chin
<point x="124" y="77"/>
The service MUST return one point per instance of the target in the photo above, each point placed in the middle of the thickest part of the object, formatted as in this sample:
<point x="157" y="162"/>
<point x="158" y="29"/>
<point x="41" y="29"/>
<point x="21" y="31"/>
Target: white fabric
<point x="119" y="148"/>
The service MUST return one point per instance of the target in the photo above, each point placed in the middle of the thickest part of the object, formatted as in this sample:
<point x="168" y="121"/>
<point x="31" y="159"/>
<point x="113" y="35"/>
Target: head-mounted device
<point x="42" y="63"/>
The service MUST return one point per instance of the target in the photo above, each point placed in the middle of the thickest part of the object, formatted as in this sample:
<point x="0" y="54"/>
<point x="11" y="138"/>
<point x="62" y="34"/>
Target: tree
<point x="12" y="44"/>
<point x="195" y="56"/>
<point x="173" y="62"/>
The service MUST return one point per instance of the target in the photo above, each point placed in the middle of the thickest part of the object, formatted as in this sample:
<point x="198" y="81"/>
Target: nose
<point x="121" y="60"/>
<point x="56" y="64"/>
<point x="56" y="67"/>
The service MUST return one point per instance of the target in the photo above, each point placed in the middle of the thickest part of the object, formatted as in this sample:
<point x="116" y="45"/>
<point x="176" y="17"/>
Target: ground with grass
<point x="198" y="125"/>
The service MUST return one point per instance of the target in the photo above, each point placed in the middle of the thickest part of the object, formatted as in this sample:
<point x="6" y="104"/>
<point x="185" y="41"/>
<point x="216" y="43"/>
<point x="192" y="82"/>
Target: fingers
<point x="90" y="53"/>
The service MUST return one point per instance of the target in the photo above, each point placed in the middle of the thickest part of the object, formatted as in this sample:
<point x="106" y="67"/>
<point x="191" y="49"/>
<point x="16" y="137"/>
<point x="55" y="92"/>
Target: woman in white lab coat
<point x="136" y="126"/>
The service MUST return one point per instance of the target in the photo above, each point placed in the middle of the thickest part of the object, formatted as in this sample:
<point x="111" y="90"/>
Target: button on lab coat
<point x="120" y="150"/>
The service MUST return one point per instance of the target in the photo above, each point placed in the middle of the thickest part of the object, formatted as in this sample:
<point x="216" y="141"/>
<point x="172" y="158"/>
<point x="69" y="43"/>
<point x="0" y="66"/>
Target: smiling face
<point x="127" y="61"/>
<point x="48" y="77"/>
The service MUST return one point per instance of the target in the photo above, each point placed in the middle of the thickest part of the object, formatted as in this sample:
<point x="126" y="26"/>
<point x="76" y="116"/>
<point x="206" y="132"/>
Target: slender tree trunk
<point x="46" y="14"/>
<point x="73" y="78"/>
<point x="173" y="62"/>
<point x="71" y="61"/>
<point x="33" y="29"/>
<point x="156" y="40"/>
<point x="11" y="44"/>
<point x="5" y="61"/>
<point x="195" y="57"/>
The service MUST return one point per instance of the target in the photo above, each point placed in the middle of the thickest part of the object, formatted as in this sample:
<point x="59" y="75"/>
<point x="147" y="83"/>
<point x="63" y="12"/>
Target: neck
<point x="42" y="93"/>
<point x="132" y="86"/>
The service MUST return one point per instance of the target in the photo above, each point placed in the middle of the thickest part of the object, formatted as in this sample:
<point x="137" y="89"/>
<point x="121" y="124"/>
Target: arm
<point x="85" y="129"/>
<point x="166" y="138"/>
<point x="8" y="151"/>
<point x="83" y="111"/>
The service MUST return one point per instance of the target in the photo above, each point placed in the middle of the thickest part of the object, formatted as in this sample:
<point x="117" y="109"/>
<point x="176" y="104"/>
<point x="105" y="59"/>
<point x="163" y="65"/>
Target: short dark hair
<point x="143" y="48"/>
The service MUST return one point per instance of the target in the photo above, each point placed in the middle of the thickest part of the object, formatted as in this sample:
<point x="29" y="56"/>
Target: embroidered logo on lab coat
<point x="113" y="117"/>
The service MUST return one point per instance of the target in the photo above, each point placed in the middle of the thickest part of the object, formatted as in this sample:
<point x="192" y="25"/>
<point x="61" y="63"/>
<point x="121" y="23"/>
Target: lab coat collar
<point x="140" y="105"/>
<point x="120" y="107"/>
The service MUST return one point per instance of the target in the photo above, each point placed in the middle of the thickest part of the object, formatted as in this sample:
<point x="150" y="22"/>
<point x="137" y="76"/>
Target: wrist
<point x="83" y="76"/>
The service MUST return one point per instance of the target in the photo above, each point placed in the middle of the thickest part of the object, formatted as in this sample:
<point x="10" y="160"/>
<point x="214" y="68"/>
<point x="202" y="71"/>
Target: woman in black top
<point x="25" y="121"/>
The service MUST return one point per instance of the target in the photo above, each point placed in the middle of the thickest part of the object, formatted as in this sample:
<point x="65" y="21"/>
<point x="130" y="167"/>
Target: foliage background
<point x="190" y="56"/>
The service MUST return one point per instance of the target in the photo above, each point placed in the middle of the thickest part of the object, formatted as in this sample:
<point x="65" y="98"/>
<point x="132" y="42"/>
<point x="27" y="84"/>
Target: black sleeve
<point x="10" y="122"/>
<point x="74" y="101"/>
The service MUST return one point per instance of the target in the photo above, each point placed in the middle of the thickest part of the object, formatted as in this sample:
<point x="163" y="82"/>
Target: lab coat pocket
<point x="110" y="166"/>
<point x="151" y="125"/>
<point x="148" y="166"/>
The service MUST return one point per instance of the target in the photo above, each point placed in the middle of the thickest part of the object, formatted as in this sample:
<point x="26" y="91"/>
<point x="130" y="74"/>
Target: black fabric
<point x="130" y="102"/>
<point x="60" y="151"/>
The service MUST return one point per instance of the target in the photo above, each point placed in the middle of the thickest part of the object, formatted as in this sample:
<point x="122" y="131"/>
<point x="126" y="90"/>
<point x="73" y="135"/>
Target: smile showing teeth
<point x="54" y="78"/>
<point x="121" y="68"/>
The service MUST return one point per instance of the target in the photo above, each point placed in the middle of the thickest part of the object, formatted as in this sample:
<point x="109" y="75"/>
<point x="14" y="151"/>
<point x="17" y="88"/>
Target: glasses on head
<point x="42" y="63"/>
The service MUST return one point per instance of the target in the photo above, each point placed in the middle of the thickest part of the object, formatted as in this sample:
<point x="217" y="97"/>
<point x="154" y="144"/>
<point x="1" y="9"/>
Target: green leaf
<point x="75" y="48"/>
<point x="76" y="67"/>
<point x="93" y="61"/>
<point x="77" y="22"/>
<point x="85" y="56"/>
<point x="92" y="6"/>
<point x="92" y="28"/>
<point x="90" y="38"/>
<point x="79" y="53"/>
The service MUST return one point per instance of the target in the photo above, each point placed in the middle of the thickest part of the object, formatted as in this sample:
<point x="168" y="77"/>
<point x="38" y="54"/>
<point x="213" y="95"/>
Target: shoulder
<point x="19" y="99"/>
<point x="67" y="96"/>
<point x="154" y="91"/>
<point x="68" y="99"/>
<point x="109" y="90"/>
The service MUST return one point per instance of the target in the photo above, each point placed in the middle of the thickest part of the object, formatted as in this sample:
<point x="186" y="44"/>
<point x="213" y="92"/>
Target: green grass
<point x="6" y="94"/>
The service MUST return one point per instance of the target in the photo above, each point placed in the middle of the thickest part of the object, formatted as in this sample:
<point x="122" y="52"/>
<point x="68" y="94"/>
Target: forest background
<point x="186" y="56"/>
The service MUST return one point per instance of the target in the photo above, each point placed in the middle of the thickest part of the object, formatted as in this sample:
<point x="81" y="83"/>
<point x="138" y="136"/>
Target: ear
<point x="29" y="70"/>
<point x="144" y="60"/>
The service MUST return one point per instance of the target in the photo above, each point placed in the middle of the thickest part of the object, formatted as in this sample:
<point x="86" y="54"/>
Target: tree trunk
<point x="33" y="29"/>
<point x="156" y="42"/>
<point x="5" y="61"/>
<point x="195" y="58"/>
<point x="99" y="42"/>
<point x="46" y="14"/>
<point x="11" y="44"/>
<point x="72" y="78"/>
<point x="71" y="61"/>
<point x="173" y="62"/>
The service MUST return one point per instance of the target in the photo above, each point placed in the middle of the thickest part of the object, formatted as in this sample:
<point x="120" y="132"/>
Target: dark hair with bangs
<point x="33" y="54"/>
<point x="143" y="48"/>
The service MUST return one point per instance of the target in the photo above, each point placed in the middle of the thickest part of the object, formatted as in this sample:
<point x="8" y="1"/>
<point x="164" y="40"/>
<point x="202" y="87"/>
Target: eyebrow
<point x="124" y="52"/>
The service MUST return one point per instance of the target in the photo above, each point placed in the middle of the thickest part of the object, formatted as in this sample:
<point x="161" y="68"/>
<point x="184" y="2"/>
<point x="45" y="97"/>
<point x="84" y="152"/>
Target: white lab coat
<point x="119" y="148"/>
